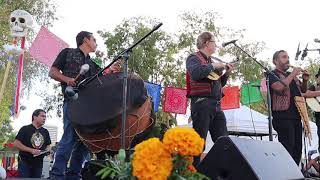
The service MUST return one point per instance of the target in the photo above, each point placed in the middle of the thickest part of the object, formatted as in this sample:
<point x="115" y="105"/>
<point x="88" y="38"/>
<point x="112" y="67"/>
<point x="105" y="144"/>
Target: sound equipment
<point x="245" y="159"/>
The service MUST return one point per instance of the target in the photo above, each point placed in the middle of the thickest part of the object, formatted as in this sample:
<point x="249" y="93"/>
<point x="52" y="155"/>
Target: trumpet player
<point x="286" y="117"/>
<point x="205" y="94"/>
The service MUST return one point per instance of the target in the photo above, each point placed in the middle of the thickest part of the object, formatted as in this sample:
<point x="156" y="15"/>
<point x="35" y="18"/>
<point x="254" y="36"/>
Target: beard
<point x="285" y="67"/>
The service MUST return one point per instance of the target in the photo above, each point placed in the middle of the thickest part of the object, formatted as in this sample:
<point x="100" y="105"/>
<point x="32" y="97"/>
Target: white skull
<point x="20" y="22"/>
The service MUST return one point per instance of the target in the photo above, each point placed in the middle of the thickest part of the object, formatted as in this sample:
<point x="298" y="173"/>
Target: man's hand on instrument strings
<point x="218" y="66"/>
<point x="70" y="81"/>
<point x="116" y="67"/>
<point x="229" y="68"/>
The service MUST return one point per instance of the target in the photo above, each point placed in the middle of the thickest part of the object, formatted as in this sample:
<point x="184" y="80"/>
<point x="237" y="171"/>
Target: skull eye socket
<point x="21" y="20"/>
<point x="13" y="19"/>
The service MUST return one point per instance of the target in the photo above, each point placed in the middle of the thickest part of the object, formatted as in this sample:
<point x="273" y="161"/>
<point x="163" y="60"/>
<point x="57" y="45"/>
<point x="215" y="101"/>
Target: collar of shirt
<point x="87" y="57"/>
<point x="206" y="57"/>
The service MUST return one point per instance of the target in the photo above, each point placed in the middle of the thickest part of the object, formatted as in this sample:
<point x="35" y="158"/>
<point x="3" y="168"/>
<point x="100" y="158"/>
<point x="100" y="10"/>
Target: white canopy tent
<point x="250" y="124"/>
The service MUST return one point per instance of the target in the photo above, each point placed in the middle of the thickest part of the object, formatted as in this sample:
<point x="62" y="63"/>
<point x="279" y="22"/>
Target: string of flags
<point x="250" y="93"/>
<point x="47" y="46"/>
<point x="154" y="91"/>
<point x="176" y="101"/>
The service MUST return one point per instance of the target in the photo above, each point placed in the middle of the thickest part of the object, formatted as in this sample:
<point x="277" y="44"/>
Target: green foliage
<point x="153" y="58"/>
<point x="116" y="168"/>
<point x="181" y="171"/>
<point x="161" y="57"/>
<point x="43" y="12"/>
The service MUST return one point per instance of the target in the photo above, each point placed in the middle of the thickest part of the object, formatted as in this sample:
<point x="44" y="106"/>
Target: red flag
<point x="175" y="100"/>
<point x="46" y="47"/>
<point x="231" y="99"/>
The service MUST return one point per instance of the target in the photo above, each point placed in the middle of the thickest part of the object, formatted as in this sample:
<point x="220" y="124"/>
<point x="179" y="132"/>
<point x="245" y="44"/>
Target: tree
<point x="161" y="58"/>
<point x="246" y="70"/>
<point x="44" y="14"/>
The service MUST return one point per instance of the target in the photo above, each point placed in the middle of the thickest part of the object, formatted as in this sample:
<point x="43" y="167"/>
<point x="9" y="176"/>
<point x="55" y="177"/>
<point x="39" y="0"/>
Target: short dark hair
<point x="276" y="55"/>
<point x="203" y="38"/>
<point x="36" y="113"/>
<point x="81" y="35"/>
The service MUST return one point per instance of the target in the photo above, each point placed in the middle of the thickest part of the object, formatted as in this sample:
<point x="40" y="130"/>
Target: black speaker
<point x="245" y="159"/>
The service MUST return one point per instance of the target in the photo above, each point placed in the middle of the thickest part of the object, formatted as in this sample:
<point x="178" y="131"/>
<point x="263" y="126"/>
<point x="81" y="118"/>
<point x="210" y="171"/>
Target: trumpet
<point x="303" y="70"/>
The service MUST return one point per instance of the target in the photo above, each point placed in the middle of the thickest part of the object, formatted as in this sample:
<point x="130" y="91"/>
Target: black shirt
<point x="292" y="112"/>
<point x="70" y="60"/>
<point x="33" y="138"/>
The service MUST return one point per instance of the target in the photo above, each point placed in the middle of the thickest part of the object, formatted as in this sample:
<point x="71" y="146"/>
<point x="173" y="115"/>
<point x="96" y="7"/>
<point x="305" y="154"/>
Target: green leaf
<point x="122" y="155"/>
<point x="100" y="172"/>
<point x="106" y="173"/>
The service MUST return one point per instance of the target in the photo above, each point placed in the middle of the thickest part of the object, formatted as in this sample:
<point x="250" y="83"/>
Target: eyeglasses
<point x="285" y="56"/>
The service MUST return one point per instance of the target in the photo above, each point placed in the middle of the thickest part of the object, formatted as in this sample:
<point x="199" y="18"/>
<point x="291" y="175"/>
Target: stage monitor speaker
<point x="245" y="159"/>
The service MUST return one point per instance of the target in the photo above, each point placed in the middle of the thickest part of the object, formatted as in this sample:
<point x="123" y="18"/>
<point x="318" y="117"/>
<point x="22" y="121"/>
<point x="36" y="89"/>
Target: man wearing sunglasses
<point x="286" y="117"/>
<point x="64" y="69"/>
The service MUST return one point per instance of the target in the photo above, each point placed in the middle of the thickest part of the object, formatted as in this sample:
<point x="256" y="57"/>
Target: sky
<point x="281" y="24"/>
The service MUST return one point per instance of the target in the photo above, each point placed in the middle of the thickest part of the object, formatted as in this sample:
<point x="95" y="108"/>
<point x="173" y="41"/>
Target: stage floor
<point x="27" y="178"/>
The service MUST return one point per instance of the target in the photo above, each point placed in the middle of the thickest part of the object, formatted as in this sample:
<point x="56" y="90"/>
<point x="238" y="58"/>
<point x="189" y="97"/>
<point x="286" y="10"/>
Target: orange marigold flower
<point x="151" y="160"/>
<point x="184" y="141"/>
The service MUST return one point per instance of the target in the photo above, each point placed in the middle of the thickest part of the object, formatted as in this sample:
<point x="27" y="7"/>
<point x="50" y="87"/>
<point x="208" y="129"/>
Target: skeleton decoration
<point x="20" y="22"/>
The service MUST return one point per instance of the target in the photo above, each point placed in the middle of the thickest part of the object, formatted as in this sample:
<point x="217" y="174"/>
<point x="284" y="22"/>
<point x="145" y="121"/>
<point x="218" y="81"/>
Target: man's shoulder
<point x="192" y="57"/>
<point x="27" y="126"/>
<point x="25" y="129"/>
<point x="67" y="50"/>
<point x="44" y="129"/>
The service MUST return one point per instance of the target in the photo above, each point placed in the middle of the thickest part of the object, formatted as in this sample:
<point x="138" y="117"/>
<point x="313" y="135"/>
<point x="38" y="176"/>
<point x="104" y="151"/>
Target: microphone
<point x="317" y="40"/>
<point x="84" y="69"/>
<point x="305" y="53"/>
<point x="298" y="53"/>
<point x="229" y="42"/>
<point x="70" y="91"/>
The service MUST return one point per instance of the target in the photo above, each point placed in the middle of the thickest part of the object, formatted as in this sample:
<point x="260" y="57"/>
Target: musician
<point x="314" y="91"/>
<point x="286" y="117"/>
<point x="205" y="94"/>
<point x="31" y="140"/>
<point x="64" y="69"/>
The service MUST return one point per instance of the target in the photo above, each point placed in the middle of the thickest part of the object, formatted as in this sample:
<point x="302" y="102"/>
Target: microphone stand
<point x="267" y="74"/>
<point x="125" y="56"/>
<point x="313" y="50"/>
